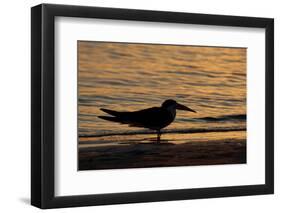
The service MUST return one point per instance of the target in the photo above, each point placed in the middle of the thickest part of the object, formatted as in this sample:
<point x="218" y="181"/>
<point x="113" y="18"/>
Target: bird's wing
<point x="155" y="117"/>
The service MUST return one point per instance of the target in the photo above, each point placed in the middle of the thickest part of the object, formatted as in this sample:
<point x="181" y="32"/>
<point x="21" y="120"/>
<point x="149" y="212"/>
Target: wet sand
<point x="144" y="155"/>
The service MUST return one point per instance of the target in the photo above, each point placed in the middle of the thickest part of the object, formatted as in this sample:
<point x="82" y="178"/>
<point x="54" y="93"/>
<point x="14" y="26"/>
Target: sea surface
<point x="130" y="76"/>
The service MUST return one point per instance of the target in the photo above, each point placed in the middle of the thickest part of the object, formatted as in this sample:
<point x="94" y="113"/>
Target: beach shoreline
<point x="148" y="155"/>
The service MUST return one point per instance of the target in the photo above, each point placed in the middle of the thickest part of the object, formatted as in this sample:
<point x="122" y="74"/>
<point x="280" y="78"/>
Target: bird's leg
<point x="158" y="136"/>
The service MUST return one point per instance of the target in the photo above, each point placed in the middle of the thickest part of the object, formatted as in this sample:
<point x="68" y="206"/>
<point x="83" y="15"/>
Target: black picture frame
<point x="43" y="102"/>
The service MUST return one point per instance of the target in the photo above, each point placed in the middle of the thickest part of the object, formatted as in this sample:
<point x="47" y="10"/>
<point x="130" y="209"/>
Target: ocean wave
<point x="239" y="117"/>
<point x="169" y="131"/>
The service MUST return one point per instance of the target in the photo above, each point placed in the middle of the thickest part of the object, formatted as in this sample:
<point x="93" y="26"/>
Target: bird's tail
<point x="111" y="112"/>
<point x="120" y="117"/>
<point x="114" y="119"/>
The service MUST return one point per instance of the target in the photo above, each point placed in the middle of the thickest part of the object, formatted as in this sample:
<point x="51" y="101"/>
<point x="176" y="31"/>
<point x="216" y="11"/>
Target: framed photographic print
<point x="139" y="106"/>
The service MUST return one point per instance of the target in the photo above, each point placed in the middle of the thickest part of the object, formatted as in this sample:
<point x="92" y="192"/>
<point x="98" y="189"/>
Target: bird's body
<point x="155" y="118"/>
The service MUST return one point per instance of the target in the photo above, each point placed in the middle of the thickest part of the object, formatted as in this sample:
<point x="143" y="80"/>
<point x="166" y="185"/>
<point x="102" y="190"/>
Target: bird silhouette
<point x="155" y="118"/>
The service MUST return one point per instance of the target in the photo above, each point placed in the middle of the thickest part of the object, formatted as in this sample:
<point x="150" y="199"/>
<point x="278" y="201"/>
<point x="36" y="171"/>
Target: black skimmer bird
<point x="155" y="118"/>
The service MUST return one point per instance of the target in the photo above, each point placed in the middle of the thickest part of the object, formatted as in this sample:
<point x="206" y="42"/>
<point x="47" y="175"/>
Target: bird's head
<point x="173" y="105"/>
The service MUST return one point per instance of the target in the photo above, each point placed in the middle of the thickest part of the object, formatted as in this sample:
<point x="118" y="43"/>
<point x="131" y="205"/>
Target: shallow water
<point x="127" y="77"/>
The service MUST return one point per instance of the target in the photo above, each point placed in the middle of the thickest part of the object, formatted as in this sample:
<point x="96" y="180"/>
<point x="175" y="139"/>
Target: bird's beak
<point x="182" y="107"/>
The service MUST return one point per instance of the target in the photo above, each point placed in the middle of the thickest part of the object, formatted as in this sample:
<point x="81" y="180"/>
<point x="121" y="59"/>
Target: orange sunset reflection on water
<point x="127" y="77"/>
